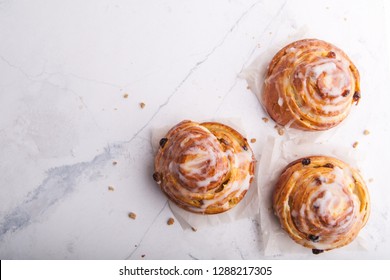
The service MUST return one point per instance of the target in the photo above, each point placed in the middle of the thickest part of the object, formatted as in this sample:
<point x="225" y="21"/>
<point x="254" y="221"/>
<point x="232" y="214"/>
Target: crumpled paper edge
<point x="275" y="157"/>
<point x="246" y="208"/>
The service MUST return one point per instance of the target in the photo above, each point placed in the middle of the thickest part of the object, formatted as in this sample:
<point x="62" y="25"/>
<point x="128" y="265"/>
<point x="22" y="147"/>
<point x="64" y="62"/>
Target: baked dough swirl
<point x="310" y="85"/>
<point x="204" y="168"/>
<point x="321" y="202"/>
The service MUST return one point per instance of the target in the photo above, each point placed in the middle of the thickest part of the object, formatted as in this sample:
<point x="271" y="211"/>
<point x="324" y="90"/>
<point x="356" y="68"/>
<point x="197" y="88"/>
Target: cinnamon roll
<point x="310" y="85"/>
<point x="321" y="202"/>
<point x="204" y="168"/>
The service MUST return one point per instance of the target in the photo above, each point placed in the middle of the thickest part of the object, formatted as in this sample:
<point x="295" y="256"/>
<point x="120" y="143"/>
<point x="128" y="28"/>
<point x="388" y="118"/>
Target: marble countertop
<point x="73" y="76"/>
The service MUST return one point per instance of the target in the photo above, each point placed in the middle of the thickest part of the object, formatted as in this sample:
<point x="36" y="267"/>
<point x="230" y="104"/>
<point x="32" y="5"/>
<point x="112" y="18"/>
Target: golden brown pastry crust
<point x="204" y="168"/>
<point x="310" y="85"/>
<point x="321" y="202"/>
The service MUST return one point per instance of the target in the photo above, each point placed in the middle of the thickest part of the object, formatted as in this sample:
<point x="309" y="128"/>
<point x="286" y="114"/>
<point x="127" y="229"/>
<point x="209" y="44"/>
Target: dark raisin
<point x="314" y="238"/>
<point x="306" y="161"/>
<point x="345" y="93"/>
<point x="220" y="188"/>
<point x="318" y="181"/>
<point x="317" y="251"/>
<point x="331" y="54"/>
<point x="163" y="141"/>
<point x="329" y="165"/>
<point x="245" y="148"/>
<point x="356" y="97"/>
<point x="157" y="177"/>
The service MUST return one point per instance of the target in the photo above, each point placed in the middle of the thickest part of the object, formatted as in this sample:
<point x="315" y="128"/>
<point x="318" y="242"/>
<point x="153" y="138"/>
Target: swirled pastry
<point x="204" y="168"/>
<point x="321" y="202"/>
<point x="310" y="85"/>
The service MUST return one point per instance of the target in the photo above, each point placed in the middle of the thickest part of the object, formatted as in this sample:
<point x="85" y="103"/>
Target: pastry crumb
<point x="114" y="162"/>
<point x="111" y="188"/>
<point x="355" y="144"/>
<point x="115" y="109"/>
<point x="132" y="215"/>
<point x="280" y="130"/>
<point x="142" y="105"/>
<point x="265" y="119"/>
<point x="125" y="95"/>
<point x="366" y="132"/>
<point x="143" y="256"/>
<point x="248" y="87"/>
<point x="170" y="221"/>
<point x="253" y="140"/>
<point x="371" y="180"/>
<point x="193" y="229"/>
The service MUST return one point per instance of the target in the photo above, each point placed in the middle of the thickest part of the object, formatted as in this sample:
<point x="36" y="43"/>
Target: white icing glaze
<point x="201" y="158"/>
<point x="280" y="101"/>
<point x="291" y="50"/>
<point x="188" y="138"/>
<point x="324" y="203"/>
<point x="294" y="213"/>
<point x="302" y="210"/>
<point x="208" y="180"/>
<point x="331" y="198"/>
<point x="239" y="186"/>
<point x="327" y="67"/>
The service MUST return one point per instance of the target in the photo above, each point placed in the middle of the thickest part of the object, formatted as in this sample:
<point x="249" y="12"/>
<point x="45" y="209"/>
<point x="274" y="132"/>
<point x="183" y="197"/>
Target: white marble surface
<point x="65" y="67"/>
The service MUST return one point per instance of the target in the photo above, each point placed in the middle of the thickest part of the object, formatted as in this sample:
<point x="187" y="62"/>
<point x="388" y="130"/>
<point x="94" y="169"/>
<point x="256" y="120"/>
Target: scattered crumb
<point x="354" y="145"/>
<point x="280" y="130"/>
<point x="366" y="132"/>
<point x="125" y="95"/>
<point x="132" y="215"/>
<point x="265" y="119"/>
<point x="111" y="188"/>
<point x="345" y="19"/>
<point x="193" y="229"/>
<point x="247" y="87"/>
<point x="253" y="140"/>
<point x="142" y="105"/>
<point x="327" y="8"/>
<point x="258" y="45"/>
<point x="143" y="256"/>
<point x="371" y="180"/>
<point x="270" y="33"/>
<point x="170" y="221"/>
<point x="114" y="162"/>
<point x="115" y="109"/>
<point x="135" y="245"/>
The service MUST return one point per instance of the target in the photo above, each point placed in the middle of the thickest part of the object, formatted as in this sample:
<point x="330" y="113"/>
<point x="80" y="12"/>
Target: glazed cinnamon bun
<point x="321" y="202"/>
<point x="204" y="168"/>
<point x="310" y="85"/>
